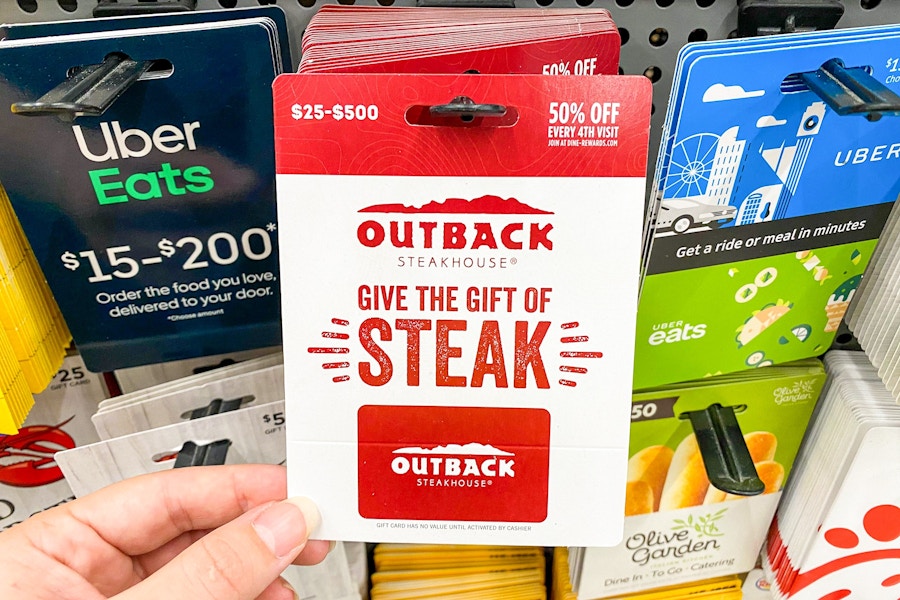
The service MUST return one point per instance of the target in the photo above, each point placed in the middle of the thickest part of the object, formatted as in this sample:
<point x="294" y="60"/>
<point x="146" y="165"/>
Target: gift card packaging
<point x="147" y="376"/>
<point x="767" y="207"/>
<point x="30" y="478"/>
<point x="364" y="39"/>
<point x="873" y="316"/>
<point x="466" y="363"/>
<point x="688" y="517"/>
<point x="160" y="407"/>
<point x="837" y="530"/>
<point x="412" y="571"/>
<point x="34" y="337"/>
<point x="153" y="220"/>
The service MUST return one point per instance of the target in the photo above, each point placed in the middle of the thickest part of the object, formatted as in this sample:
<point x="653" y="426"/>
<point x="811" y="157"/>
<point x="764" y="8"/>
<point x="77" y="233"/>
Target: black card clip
<point x="121" y="8"/>
<point x="89" y="91"/>
<point x="728" y="463"/>
<point x="192" y="455"/>
<point x="466" y="109"/>
<point x="769" y="17"/>
<point x="217" y="407"/>
<point x="851" y="91"/>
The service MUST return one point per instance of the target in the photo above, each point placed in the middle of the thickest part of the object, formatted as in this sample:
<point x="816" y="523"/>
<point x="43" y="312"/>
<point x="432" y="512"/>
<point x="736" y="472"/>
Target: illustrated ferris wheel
<point x="690" y="166"/>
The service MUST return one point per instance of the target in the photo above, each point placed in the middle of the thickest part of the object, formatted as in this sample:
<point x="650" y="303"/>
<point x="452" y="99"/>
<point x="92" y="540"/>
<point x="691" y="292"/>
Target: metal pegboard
<point x="652" y="30"/>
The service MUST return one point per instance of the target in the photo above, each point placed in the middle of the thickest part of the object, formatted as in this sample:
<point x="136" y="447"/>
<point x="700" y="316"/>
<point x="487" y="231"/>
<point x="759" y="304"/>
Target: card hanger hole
<point x="793" y="83"/>
<point x="168" y="455"/>
<point x="160" y="68"/>
<point x="222" y="363"/>
<point x="217" y="406"/>
<point x="189" y="446"/>
<point x="462" y="112"/>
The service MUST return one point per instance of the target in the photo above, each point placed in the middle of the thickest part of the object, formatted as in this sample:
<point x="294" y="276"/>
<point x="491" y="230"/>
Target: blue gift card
<point x="18" y="31"/>
<point x="155" y="222"/>
<point x="767" y="204"/>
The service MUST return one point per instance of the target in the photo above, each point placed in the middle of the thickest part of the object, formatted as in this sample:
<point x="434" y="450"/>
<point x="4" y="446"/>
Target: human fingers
<point x="140" y="514"/>
<point x="279" y="589"/>
<point x="237" y="561"/>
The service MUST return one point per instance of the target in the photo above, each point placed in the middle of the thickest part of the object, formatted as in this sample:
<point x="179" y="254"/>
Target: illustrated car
<point x="680" y="214"/>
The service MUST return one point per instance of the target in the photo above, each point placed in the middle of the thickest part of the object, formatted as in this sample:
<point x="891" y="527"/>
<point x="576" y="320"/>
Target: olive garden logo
<point x="687" y="536"/>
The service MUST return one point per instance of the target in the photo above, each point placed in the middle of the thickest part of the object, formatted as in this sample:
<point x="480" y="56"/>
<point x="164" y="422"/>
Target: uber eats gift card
<point x="154" y="222"/>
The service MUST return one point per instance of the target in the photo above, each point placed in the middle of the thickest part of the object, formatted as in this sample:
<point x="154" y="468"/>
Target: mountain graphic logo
<point x="484" y="205"/>
<point x="454" y="460"/>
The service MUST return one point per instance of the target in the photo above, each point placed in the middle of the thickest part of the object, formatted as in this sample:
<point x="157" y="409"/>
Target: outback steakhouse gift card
<point x="459" y="270"/>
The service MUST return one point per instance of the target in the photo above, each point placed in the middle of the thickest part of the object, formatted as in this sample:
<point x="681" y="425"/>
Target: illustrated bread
<point x="762" y="445"/>
<point x="650" y="465"/>
<point x="686" y="482"/>
<point x="638" y="498"/>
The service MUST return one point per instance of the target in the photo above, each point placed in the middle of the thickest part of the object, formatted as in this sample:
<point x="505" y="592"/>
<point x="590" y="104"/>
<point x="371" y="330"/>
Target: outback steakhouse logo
<point x="470" y="465"/>
<point x="446" y="234"/>
<point x="503" y="478"/>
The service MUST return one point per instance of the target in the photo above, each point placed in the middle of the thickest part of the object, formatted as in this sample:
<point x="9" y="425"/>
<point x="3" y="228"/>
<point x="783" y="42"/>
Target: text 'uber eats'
<point x="112" y="186"/>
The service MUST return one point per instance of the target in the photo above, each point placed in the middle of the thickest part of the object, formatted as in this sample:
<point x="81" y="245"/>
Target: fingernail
<point x="285" y="526"/>
<point x="331" y="545"/>
<point x="290" y="588"/>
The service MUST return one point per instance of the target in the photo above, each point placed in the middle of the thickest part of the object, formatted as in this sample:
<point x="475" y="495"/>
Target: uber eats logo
<point x="111" y="186"/>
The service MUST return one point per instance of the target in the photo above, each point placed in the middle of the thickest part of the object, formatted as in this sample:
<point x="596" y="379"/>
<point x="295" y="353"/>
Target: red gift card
<point x="360" y="39"/>
<point x="453" y="463"/>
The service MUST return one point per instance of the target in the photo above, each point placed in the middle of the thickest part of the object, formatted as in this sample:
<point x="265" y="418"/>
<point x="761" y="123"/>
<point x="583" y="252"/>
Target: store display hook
<point x="217" y="407"/>
<point x="192" y="455"/>
<point x="122" y="8"/>
<point x="728" y="463"/>
<point x="466" y="109"/>
<point x="89" y="91"/>
<point x="851" y="91"/>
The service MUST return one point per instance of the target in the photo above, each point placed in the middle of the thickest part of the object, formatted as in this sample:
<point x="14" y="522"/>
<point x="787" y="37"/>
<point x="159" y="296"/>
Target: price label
<point x="650" y="410"/>
<point x="222" y="248"/>
<point x="274" y="419"/>
<point x="337" y="112"/>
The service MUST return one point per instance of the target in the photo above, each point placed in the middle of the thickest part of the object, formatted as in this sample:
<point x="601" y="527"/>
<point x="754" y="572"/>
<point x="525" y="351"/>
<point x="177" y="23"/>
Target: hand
<point x="201" y="533"/>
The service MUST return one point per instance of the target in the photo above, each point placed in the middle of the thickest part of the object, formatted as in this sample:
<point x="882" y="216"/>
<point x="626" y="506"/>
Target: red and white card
<point x="459" y="297"/>
<point x="367" y="39"/>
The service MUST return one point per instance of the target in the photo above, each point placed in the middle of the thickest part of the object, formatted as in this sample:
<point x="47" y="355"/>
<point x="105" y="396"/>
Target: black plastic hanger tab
<point x="121" y="8"/>
<point x="89" y="91"/>
<point x="192" y="455"/>
<point x="852" y="91"/>
<point x="729" y="465"/>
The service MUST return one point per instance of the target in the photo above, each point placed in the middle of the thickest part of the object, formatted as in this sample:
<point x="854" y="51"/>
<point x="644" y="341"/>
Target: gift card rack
<point x="652" y="30"/>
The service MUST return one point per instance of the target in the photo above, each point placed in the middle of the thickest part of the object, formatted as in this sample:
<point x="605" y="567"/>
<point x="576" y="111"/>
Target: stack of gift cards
<point x="359" y="39"/>
<point x="144" y="178"/>
<point x="34" y="337"/>
<point x="454" y="572"/>
<point x="837" y="529"/>
<point x="767" y="202"/>
<point x="874" y="315"/>
<point x="30" y="479"/>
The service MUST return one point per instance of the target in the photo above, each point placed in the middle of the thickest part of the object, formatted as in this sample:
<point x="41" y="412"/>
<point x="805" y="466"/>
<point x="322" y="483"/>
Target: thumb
<point x="238" y="560"/>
